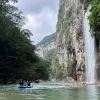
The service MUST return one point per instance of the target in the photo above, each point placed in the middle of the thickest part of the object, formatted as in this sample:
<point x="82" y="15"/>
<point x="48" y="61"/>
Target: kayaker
<point x="28" y="83"/>
<point x="36" y="81"/>
<point x="25" y="83"/>
<point x="21" y="83"/>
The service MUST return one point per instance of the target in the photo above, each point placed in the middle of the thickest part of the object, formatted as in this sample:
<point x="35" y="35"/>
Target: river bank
<point x="72" y="84"/>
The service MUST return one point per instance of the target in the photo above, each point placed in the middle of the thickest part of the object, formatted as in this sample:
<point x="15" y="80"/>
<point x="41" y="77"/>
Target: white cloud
<point x="41" y="24"/>
<point x="41" y="17"/>
<point x="37" y="6"/>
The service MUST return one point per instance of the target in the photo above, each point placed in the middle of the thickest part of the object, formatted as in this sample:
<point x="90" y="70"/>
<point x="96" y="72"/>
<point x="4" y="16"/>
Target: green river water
<point x="50" y="91"/>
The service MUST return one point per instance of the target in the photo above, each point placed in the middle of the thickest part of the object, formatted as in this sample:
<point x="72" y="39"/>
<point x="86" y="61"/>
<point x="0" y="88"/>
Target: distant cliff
<point x="46" y="45"/>
<point x="47" y="40"/>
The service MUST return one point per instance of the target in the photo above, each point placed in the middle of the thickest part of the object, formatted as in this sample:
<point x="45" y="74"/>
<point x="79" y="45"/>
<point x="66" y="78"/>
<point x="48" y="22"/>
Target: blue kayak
<point x="23" y="86"/>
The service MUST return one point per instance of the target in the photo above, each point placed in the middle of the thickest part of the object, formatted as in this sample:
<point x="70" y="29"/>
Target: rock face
<point x="42" y="49"/>
<point x="98" y="65"/>
<point x="70" y="40"/>
<point x="45" y="45"/>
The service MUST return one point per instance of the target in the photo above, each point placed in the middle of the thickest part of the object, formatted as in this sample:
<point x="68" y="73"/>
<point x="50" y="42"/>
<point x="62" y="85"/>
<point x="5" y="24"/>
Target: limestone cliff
<point x="42" y="50"/>
<point x="70" y="40"/>
<point x="45" y="45"/>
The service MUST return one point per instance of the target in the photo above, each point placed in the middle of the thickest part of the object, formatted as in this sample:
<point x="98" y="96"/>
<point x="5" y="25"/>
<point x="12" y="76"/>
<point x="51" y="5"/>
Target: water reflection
<point x="87" y="93"/>
<point x="26" y="91"/>
<point x="50" y="92"/>
<point x="93" y="93"/>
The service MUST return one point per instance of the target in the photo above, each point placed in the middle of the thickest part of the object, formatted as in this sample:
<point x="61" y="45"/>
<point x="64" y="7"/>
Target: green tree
<point x="94" y="19"/>
<point x="17" y="53"/>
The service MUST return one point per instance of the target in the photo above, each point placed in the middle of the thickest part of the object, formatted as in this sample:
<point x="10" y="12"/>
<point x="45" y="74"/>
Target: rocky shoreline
<point x="82" y="84"/>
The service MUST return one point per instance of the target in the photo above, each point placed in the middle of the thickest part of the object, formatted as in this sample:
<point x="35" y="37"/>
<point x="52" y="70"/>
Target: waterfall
<point x="90" y="52"/>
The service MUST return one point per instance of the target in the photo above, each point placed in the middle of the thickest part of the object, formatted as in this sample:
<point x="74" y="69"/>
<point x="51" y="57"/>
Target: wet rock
<point x="69" y="41"/>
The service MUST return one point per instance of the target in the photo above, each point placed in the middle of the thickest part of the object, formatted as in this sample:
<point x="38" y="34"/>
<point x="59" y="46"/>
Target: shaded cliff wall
<point x="70" y="40"/>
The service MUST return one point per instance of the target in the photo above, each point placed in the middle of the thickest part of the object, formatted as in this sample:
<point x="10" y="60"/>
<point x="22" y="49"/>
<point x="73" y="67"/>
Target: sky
<point x="41" y="17"/>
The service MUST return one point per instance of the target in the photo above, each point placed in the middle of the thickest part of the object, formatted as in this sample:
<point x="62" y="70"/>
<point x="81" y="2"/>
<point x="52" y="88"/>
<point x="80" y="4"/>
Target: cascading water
<point x="90" y="52"/>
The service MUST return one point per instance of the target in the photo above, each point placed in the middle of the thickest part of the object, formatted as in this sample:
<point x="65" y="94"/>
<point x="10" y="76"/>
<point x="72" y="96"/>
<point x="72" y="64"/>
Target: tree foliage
<point x="94" y="19"/>
<point x="17" y="53"/>
<point x="49" y="56"/>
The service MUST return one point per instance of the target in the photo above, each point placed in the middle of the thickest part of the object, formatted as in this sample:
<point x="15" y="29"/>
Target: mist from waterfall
<point x="90" y="51"/>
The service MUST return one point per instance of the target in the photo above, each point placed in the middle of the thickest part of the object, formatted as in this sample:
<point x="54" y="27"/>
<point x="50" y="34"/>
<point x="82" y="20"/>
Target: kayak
<point x="23" y="86"/>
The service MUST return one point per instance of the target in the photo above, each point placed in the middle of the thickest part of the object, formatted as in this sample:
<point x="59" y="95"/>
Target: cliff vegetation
<point x="94" y="19"/>
<point x="47" y="40"/>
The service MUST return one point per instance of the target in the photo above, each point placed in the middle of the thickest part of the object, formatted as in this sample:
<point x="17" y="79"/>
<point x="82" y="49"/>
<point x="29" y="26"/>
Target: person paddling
<point x="21" y="83"/>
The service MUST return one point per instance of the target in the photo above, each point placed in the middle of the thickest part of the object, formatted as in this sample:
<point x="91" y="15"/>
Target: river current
<point x="49" y="91"/>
